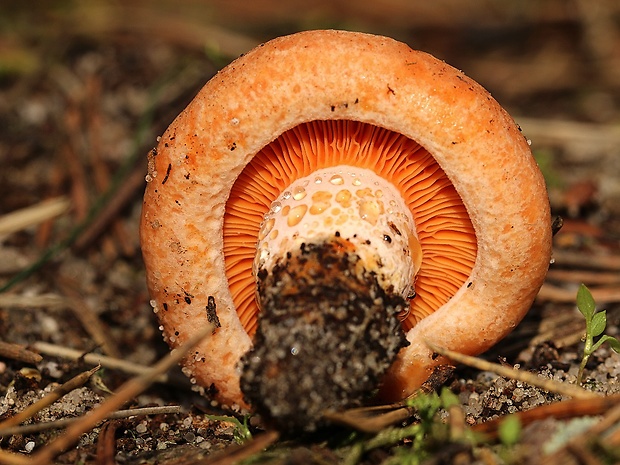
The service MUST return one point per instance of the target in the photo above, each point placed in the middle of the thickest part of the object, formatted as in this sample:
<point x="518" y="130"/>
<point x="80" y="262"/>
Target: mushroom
<point x="331" y="200"/>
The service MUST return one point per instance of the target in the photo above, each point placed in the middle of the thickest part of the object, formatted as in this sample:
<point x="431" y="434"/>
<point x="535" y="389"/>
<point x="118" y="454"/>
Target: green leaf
<point x="509" y="430"/>
<point x="599" y="321"/>
<point x="448" y="398"/>
<point x="613" y="343"/>
<point x="426" y="405"/>
<point x="585" y="302"/>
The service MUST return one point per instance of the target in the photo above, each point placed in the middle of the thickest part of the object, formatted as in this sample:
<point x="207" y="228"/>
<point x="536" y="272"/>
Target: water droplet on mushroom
<point x="552" y="261"/>
<point x="343" y="197"/>
<point x="296" y="214"/>
<point x="336" y="180"/>
<point x="266" y="228"/>
<point x="318" y="180"/>
<point x="276" y="207"/>
<point x="357" y="182"/>
<point x="299" y="193"/>
<point x="286" y="195"/>
<point x="321" y="201"/>
<point x="370" y="210"/>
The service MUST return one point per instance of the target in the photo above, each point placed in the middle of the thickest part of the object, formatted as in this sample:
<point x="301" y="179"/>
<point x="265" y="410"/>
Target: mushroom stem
<point x="335" y="263"/>
<point x="345" y="202"/>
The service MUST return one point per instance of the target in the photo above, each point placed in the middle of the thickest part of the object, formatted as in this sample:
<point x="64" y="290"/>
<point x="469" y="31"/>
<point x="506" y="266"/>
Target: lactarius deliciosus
<point x="332" y="200"/>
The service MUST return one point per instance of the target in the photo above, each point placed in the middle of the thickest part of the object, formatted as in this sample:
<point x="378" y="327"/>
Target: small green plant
<point x="509" y="431"/>
<point x="417" y="434"/>
<point x="595" y="325"/>
<point x="509" y="434"/>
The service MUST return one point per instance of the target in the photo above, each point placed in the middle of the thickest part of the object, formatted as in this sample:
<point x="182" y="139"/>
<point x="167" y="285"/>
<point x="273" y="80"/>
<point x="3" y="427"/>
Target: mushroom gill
<point x="443" y="226"/>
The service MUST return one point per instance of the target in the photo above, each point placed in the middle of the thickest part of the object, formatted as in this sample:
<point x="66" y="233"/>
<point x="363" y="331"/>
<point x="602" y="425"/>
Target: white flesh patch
<point x="354" y="204"/>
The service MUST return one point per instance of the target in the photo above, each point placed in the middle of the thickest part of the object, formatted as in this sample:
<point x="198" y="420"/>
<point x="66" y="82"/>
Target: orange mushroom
<point x="365" y="197"/>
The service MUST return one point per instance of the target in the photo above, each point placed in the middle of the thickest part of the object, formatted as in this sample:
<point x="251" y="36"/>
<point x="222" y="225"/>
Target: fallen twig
<point x="559" y="294"/>
<point x="18" y="352"/>
<point x="48" y="400"/>
<point x="64" y="422"/>
<point x="532" y="379"/>
<point x="590" y="261"/>
<point x="584" y="276"/>
<point x="124" y="394"/>
<point x="558" y="410"/>
<point x="53" y="301"/>
<point x="106" y="443"/>
<point x="599" y="272"/>
<point x="580" y="446"/>
<point x="564" y="132"/>
<point x="33" y="215"/>
<point x="12" y="458"/>
<point x="564" y="329"/>
<point x="96" y="359"/>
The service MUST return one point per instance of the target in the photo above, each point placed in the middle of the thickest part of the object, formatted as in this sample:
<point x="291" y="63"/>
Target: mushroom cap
<point x="336" y="75"/>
